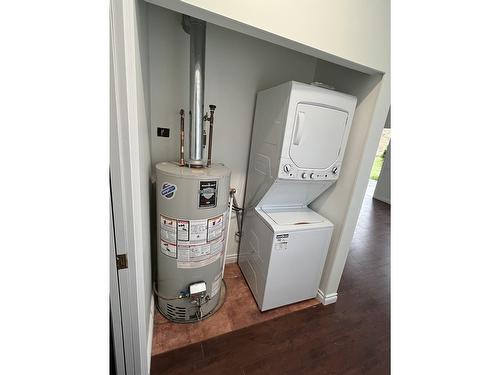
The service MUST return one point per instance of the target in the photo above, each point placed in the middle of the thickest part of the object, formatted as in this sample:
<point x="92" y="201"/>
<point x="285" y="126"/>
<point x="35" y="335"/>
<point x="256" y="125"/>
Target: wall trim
<point x="326" y="299"/>
<point x="231" y="258"/>
<point x="150" y="331"/>
<point x="382" y="199"/>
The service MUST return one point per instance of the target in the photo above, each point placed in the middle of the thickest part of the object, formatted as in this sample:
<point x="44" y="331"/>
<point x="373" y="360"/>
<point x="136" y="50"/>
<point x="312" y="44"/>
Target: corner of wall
<point x="326" y="299"/>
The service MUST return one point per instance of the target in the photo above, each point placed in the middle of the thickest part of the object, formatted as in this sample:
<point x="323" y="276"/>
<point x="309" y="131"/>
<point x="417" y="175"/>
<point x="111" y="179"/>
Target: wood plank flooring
<point x="349" y="337"/>
<point x="238" y="311"/>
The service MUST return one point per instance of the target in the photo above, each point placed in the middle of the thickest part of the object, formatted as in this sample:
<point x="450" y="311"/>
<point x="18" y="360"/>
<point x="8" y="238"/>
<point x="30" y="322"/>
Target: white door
<point x="317" y="136"/>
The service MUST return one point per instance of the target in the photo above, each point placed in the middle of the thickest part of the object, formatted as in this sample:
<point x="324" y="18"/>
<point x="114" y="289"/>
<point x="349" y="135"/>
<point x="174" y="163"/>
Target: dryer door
<point x="317" y="136"/>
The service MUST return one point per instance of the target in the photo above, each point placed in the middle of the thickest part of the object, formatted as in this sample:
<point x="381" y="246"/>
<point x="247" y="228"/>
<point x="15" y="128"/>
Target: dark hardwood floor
<point x="349" y="337"/>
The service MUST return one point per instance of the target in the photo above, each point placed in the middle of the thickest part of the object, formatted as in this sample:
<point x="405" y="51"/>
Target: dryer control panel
<point x="289" y="171"/>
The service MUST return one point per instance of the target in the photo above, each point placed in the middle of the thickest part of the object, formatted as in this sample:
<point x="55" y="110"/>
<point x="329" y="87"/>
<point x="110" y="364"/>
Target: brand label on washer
<point x="168" y="190"/>
<point x="208" y="194"/>
<point x="281" y="242"/>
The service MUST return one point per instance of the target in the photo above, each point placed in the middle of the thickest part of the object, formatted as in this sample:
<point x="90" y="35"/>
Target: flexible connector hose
<point x="231" y="197"/>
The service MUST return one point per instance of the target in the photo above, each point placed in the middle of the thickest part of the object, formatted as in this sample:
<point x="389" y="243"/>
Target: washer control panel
<point x="288" y="171"/>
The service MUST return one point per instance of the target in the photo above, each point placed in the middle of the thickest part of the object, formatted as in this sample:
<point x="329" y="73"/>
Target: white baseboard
<point x="382" y="199"/>
<point x="150" y="331"/>
<point x="326" y="299"/>
<point x="231" y="258"/>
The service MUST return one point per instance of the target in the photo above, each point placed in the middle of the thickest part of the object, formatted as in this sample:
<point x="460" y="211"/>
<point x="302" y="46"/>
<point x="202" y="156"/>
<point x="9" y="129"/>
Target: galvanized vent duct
<point x="197" y="30"/>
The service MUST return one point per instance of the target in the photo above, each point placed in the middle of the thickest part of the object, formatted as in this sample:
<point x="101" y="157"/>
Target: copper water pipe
<point x="181" y="160"/>
<point x="210" y="134"/>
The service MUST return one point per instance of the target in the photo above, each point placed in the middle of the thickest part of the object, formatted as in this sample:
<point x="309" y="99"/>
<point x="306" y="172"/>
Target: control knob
<point x="312" y="176"/>
<point x="287" y="168"/>
<point x="304" y="175"/>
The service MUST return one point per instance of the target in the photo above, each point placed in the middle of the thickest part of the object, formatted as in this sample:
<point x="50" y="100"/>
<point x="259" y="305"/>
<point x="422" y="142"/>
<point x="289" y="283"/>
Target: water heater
<point x="192" y="215"/>
<point x="192" y="210"/>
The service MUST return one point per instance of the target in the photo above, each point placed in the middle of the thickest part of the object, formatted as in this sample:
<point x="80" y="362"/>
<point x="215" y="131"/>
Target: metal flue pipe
<point x="197" y="30"/>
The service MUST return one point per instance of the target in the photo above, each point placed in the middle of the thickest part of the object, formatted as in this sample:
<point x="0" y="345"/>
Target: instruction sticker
<point x="168" y="229"/>
<point x="197" y="231"/>
<point x="217" y="246"/>
<point x="194" y="253"/>
<point x="168" y="190"/>
<point x="182" y="230"/>
<point x="215" y="227"/>
<point x="168" y="249"/>
<point x="198" y="264"/>
<point x="196" y="256"/>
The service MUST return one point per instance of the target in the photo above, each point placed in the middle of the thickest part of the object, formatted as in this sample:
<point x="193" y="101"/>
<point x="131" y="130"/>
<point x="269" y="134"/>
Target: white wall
<point x="342" y="202"/>
<point x="383" y="189"/>
<point x="237" y="66"/>
<point x="347" y="32"/>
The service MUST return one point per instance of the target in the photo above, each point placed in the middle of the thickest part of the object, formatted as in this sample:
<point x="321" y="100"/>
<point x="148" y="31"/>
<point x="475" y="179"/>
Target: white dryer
<point x="299" y="137"/>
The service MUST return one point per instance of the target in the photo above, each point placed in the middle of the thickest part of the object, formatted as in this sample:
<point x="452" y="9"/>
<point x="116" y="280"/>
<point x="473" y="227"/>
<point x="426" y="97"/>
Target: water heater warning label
<point x="168" y="249"/>
<point x="194" y="243"/>
<point x="200" y="255"/>
<point x="168" y="229"/>
<point x="182" y="230"/>
<point x="208" y="194"/>
<point x="197" y="231"/>
<point x="215" y="227"/>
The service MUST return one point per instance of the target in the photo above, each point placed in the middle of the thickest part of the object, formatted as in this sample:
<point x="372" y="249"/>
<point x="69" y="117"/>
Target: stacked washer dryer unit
<point x="299" y="137"/>
<point x="192" y="210"/>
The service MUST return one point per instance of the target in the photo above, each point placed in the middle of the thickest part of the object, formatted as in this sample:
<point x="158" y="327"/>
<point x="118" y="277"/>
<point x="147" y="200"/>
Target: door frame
<point x="130" y="331"/>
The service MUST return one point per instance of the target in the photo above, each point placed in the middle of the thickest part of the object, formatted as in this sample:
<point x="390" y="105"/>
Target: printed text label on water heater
<point x="208" y="194"/>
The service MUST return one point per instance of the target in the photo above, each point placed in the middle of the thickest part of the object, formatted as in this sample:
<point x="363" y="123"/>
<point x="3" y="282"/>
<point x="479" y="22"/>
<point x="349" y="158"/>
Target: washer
<point x="299" y="138"/>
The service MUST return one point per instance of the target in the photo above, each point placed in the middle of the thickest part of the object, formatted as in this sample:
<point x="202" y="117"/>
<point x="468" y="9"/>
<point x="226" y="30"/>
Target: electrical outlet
<point x="163" y="132"/>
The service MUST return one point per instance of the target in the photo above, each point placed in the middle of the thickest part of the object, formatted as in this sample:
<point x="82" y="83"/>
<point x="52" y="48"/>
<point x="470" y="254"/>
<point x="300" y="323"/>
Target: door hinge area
<point x="121" y="261"/>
